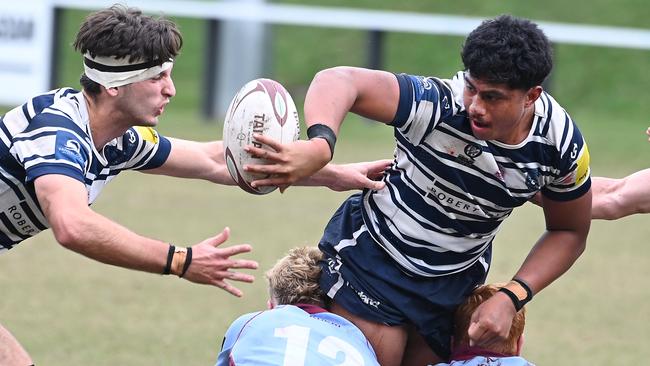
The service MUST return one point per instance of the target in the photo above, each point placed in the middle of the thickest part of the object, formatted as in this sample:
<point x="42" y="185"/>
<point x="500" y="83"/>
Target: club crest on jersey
<point x="473" y="150"/>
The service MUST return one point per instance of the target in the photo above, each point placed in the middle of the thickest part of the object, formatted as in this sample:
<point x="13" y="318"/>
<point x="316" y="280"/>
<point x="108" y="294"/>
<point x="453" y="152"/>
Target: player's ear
<point x="532" y="95"/>
<point x="113" y="92"/>
<point x="269" y="304"/>
<point x="520" y="344"/>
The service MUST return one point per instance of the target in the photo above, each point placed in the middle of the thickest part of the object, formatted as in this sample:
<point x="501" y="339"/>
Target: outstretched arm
<point x="567" y="226"/>
<point x="197" y="160"/>
<point x="78" y="228"/>
<point x="617" y="198"/>
<point x="205" y="160"/>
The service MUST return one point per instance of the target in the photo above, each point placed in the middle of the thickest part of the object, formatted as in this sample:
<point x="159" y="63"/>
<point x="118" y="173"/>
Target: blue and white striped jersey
<point x="295" y="335"/>
<point x="448" y="192"/>
<point x="50" y="134"/>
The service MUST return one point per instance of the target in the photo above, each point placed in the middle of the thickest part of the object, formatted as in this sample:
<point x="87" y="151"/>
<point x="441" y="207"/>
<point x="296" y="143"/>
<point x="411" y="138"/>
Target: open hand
<point x="211" y="265"/>
<point x="359" y="175"/>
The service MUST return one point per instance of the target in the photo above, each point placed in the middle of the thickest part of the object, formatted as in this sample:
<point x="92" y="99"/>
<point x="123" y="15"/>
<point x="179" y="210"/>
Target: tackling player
<point x="506" y="352"/>
<point x="296" y="330"/>
<point x="59" y="150"/>
<point x="468" y="151"/>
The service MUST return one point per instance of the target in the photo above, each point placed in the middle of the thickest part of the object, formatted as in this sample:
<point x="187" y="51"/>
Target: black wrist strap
<point x="518" y="301"/>
<point x="322" y="131"/>
<point x="515" y="301"/>
<point x="188" y="260"/>
<point x="170" y="256"/>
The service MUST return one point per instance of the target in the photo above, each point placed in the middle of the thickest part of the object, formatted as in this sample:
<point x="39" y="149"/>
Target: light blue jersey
<point x="448" y="192"/>
<point x="294" y="336"/>
<point x="50" y="134"/>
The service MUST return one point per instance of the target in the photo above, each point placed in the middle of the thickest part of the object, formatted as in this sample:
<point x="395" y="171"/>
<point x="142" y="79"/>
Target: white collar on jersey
<point x="111" y="72"/>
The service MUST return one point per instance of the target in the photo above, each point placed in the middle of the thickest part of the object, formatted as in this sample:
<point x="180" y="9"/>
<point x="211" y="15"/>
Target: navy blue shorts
<point x="360" y="276"/>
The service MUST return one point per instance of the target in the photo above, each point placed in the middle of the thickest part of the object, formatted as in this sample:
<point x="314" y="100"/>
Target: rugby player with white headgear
<point x="59" y="150"/>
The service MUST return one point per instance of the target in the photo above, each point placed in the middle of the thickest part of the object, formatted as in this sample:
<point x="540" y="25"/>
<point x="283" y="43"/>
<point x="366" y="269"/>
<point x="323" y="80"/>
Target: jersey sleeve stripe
<point x="160" y="155"/>
<point x="50" y="168"/>
<point x="405" y="101"/>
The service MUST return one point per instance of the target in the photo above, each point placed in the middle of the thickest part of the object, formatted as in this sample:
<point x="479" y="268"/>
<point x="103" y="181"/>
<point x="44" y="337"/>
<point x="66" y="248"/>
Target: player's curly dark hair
<point x="508" y="50"/>
<point x="124" y="32"/>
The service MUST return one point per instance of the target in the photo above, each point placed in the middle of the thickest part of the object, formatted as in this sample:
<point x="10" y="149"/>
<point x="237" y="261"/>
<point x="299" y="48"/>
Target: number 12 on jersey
<point x="330" y="346"/>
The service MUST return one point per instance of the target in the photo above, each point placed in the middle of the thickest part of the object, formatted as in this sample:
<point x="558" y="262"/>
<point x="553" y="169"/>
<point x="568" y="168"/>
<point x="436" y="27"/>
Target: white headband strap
<point x="112" y="72"/>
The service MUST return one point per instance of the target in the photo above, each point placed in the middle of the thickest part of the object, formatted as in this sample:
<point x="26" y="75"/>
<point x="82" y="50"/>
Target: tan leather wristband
<point x="178" y="261"/>
<point x="517" y="289"/>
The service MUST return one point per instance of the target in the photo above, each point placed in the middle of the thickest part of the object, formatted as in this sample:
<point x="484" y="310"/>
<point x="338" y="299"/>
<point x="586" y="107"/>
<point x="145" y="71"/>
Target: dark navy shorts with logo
<point x="360" y="276"/>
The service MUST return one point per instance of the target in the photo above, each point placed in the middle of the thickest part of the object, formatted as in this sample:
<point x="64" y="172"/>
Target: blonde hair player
<point x="296" y="330"/>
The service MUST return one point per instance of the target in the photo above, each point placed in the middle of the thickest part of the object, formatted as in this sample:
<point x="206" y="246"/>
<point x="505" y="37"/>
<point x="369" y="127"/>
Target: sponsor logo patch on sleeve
<point x="147" y="133"/>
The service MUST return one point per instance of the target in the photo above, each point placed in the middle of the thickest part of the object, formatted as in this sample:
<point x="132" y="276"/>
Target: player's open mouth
<point x="479" y="124"/>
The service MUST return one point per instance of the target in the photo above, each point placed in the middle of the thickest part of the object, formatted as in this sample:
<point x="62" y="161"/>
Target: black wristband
<point x="322" y="131"/>
<point x="515" y="301"/>
<point x="188" y="260"/>
<point x="170" y="256"/>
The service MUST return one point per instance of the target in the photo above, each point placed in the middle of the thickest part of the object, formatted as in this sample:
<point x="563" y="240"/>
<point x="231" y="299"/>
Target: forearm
<point x="553" y="254"/>
<point x="326" y="177"/>
<point x="606" y="198"/>
<point x="101" y="239"/>
<point x="196" y="160"/>
<point x="617" y="198"/>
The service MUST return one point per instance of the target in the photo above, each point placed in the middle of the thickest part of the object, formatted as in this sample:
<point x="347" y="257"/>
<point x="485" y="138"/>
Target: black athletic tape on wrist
<point x="188" y="260"/>
<point x="322" y="131"/>
<point x="170" y="256"/>
<point x="515" y="301"/>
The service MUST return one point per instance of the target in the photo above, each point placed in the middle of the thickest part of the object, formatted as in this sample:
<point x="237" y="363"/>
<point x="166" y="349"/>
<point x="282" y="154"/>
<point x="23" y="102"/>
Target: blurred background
<point x="68" y="310"/>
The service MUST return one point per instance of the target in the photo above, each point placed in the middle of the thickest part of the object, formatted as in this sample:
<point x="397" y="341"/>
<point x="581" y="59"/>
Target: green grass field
<point x="69" y="310"/>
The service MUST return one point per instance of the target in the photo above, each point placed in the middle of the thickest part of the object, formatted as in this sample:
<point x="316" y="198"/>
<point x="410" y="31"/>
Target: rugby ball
<point x="262" y="106"/>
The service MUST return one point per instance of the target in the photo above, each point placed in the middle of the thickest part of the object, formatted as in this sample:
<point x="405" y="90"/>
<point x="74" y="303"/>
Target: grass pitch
<point x="69" y="310"/>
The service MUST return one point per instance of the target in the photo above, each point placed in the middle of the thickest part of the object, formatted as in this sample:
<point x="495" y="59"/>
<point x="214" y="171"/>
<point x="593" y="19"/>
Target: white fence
<point x="390" y="21"/>
<point x="218" y="94"/>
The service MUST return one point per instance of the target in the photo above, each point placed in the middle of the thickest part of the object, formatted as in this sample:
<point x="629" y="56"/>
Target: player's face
<point x="497" y="112"/>
<point x="146" y="100"/>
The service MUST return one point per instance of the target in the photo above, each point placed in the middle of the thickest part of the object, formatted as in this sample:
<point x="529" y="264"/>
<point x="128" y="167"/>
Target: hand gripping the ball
<point x="288" y="164"/>
<point x="213" y="266"/>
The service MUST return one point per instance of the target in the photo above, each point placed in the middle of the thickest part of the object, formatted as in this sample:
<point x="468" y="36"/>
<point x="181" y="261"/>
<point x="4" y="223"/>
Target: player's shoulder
<point x="61" y="104"/>
<point x="552" y="121"/>
<point x="238" y="324"/>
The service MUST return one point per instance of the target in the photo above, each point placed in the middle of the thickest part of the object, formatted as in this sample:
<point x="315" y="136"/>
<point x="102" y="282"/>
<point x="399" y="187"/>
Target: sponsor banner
<point x="25" y="46"/>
